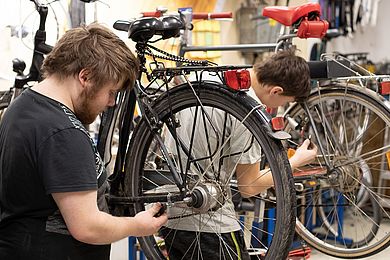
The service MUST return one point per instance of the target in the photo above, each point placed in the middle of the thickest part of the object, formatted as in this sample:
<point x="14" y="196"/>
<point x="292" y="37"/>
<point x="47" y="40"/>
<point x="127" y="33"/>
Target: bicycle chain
<point x="168" y="56"/>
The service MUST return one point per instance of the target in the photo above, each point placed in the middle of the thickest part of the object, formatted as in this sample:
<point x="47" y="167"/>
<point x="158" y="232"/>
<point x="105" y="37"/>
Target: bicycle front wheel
<point x="207" y="130"/>
<point x="343" y="206"/>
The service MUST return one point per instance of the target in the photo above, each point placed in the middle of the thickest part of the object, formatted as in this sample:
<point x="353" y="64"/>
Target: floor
<point x="385" y="254"/>
<point x="120" y="252"/>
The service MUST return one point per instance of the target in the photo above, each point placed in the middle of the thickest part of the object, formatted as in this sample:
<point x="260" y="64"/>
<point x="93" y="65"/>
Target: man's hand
<point x="149" y="222"/>
<point x="305" y="154"/>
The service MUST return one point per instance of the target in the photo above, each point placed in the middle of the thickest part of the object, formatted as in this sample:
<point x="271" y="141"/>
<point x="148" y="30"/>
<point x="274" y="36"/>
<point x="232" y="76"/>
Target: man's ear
<point x="83" y="77"/>
<point x="276" y="90"/>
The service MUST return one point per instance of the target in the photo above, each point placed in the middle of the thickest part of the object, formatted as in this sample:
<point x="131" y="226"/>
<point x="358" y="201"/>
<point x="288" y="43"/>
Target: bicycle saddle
<point x="289" y="15"/>
<point x="171" y="27"/>
<point x="143" y="29"/>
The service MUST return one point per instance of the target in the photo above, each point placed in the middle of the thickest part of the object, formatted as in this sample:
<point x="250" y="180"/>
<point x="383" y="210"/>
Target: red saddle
<point x="289" y="15"/>
<point x="313" y="28"/>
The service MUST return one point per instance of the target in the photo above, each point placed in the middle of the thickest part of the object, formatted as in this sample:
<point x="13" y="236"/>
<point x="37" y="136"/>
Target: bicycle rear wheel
<point x="345" y="195"/>
<point x="201" y="135"/>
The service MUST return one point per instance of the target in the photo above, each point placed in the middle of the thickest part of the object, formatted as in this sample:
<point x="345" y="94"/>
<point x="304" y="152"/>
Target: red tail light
<point x="385" y="87"/>
<point x="238" y="79"/>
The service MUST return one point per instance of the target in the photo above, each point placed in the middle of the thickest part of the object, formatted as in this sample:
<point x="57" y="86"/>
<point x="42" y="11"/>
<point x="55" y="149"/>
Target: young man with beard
<point x="52" y="179"/>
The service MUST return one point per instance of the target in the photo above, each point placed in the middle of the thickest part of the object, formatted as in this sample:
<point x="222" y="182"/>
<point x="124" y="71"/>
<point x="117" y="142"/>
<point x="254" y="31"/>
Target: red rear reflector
<point x="238" y="79"/>
<point x="277" y="123"/>
<point x="385" y="88"/>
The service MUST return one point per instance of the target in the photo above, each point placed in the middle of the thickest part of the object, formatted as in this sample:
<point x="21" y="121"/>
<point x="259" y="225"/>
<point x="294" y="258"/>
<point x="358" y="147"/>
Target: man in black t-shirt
<point x="52" y="179"/>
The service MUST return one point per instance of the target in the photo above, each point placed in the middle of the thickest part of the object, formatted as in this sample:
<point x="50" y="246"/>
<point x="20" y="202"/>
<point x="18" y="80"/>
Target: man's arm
<point x="252" y="181"/>
<point x="88" y="224"/>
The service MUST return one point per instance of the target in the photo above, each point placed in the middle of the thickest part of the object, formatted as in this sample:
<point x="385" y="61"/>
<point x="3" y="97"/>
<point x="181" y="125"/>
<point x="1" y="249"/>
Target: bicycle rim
<point x="341" y="209"/>
<point x="209" y="173"/>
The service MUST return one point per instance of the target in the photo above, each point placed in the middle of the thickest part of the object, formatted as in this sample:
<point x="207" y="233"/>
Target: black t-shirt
<point x="44" y="149"/>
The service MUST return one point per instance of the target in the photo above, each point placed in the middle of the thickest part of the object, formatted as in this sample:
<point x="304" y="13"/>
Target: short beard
<point x="83" y="111"/>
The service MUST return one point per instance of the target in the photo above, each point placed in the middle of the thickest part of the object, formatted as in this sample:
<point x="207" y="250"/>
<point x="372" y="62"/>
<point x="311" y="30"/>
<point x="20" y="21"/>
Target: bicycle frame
<point x="166" y="74"/>
<point x="138" y="94"/>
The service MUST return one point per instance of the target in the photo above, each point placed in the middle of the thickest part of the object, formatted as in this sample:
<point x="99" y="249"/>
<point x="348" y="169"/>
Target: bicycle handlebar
<point x="211" y="16"/>
<point x="195" y="16"/>
<point x="152" y="14"/>
<point x="37" y="3"/>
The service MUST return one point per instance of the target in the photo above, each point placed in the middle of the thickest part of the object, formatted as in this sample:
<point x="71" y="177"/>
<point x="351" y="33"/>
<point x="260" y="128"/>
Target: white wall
<point x="375" y="40"/>
<point x="16" y="13"/>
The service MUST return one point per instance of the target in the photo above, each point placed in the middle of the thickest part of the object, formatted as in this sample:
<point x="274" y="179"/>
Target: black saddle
<point x="143" y="29"/>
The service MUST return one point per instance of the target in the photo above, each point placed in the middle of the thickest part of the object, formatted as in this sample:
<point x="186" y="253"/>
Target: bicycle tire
<point x="235" y="104"/>
<point x="347" y="118"/>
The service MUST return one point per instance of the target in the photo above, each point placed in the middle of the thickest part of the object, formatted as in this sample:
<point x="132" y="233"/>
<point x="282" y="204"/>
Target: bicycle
<point x="343" y="246"/>
<point x="343" y="184"/>
<point x="322" y="223"/>
<point x="339" y="115"/>
<point x="156" y="164"/>
<point x="40" y="49"/>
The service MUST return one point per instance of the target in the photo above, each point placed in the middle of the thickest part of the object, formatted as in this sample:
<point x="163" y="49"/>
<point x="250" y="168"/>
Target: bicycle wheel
<point x="208" y="176"/>
<point x="344" y="193"/>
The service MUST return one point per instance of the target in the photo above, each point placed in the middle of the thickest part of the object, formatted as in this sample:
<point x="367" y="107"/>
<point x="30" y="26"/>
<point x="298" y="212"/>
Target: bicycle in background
<point x="343" y="197"/>
<point x="40" y="49"/>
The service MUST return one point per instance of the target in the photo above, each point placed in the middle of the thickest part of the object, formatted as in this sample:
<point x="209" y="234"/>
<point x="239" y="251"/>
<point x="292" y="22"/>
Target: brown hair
<point x="96" y="49"/>
<point x="286" y="70"/>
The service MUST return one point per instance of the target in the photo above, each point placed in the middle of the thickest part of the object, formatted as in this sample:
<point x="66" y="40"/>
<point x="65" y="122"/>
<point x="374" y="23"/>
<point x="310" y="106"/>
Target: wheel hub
<point x="206" y="197"/>
<point x="346" y="178"/>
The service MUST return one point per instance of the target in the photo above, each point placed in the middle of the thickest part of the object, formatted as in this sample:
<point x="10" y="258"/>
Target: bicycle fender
<point x="357" y="88"/>
<point x="349" y="88"/>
